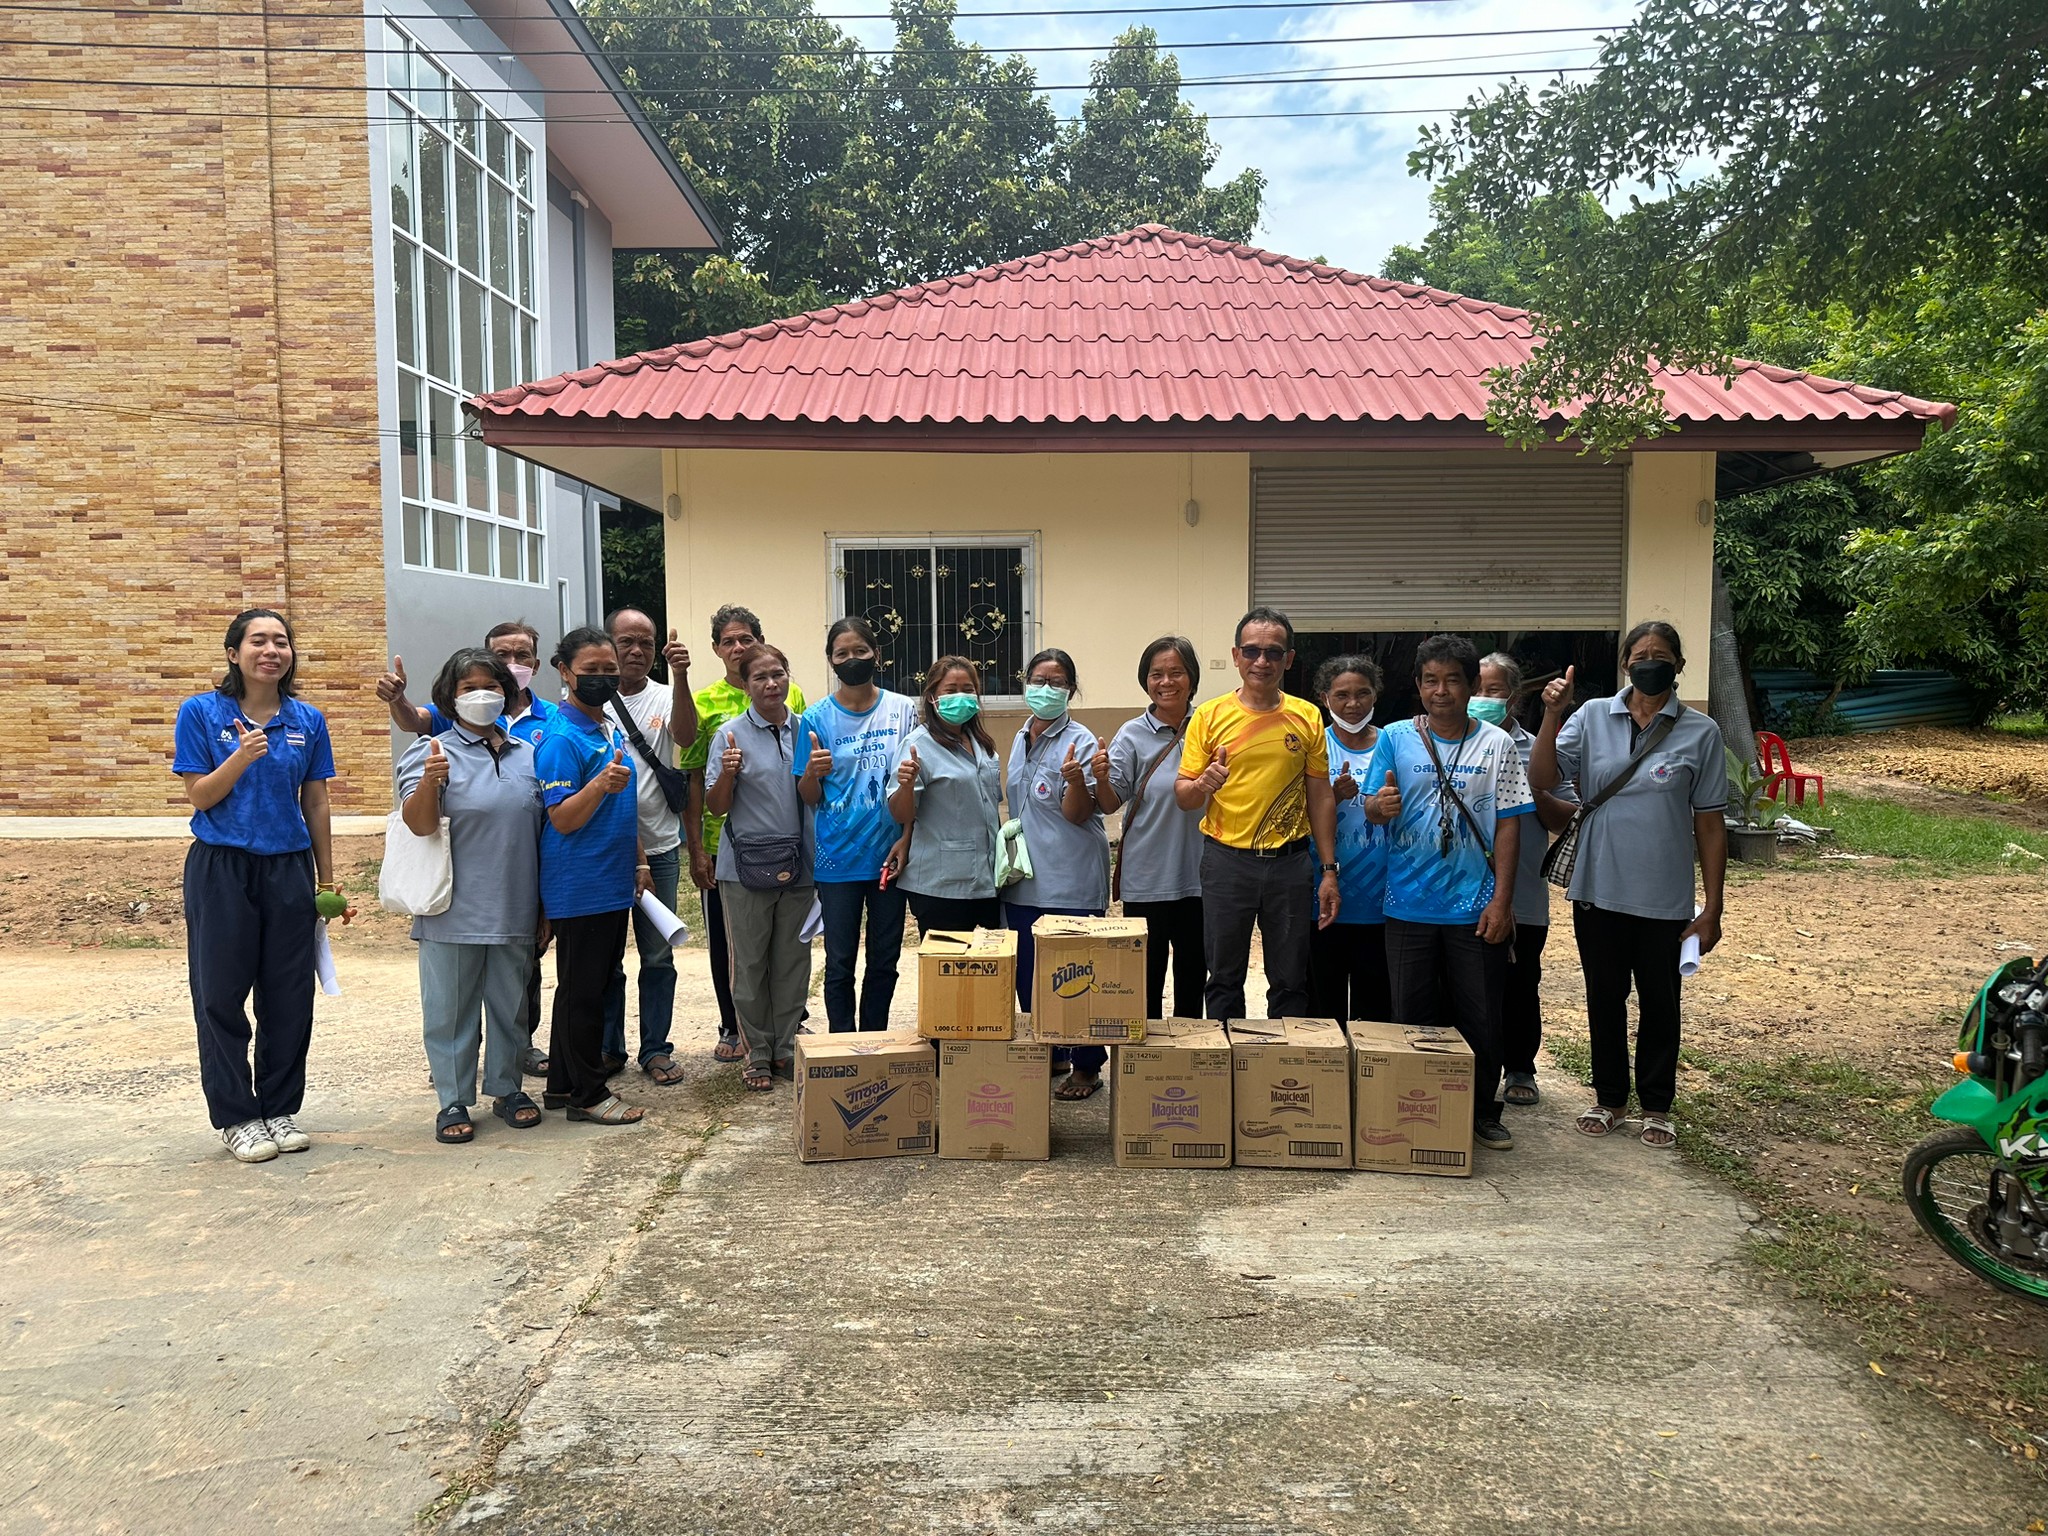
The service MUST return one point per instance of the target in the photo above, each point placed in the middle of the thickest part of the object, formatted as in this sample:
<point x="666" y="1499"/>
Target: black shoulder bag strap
<point x="1563" y="855"/>
<point x="1445" y="786"/>
<point x="675" y="784"/>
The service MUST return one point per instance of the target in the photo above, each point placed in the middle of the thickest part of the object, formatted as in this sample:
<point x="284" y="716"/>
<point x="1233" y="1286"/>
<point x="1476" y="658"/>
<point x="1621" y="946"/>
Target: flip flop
<point x="663" y="1069"/>
<point x="453" y="1126"/>
<point x="729" y="1049"/>
<point x="517" y="1111"/>
<point x="1077" y="1087"/>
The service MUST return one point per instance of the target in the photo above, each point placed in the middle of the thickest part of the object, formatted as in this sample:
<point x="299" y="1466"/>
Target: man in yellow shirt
<point x="1254" y="763"/>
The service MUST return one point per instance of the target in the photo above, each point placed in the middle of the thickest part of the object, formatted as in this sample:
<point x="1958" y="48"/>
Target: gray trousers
<point x="1240" y="889"/>
<point x="771" y="966"/>
<point x="459" y="982"/>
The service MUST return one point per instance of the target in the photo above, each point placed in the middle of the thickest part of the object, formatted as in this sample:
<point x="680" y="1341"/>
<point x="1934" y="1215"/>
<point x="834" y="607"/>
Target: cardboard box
<point x="864" y="1095"/>
<point x="1088" y="980"/>
<point x="967" y="985"/>
<point x="995" y="1098"/>
<point x="1169" y="1097"/>
<point x="1412" y="1100"/>
<point x="1291" y="1095"/>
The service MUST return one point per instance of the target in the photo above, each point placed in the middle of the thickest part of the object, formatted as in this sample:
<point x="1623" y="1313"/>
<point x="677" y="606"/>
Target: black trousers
<point x="1173" y="934"/>
<point x="1347" y="972"/>
<point x="587" y="950"/>
<point x="249" y="927"/>
<point x="719" y="947"/>
<point x="1435" y="968"/>
<point x="530" y="1005"/>
<point x="1521" y="1010"/>
<point x="953" y="914"/>
<point x="1240" y="889"/>
<point x="1617" y="951"/>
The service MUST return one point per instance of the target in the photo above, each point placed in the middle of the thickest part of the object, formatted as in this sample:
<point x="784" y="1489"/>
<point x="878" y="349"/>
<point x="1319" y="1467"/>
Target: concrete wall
<point x="1670" y="570"/>
<point x="1118" y="564"/>
<point x="193" y="300"/>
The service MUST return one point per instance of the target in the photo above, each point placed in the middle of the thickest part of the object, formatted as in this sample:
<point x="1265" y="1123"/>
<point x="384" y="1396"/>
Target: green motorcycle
<point x="1980" y="1187"/>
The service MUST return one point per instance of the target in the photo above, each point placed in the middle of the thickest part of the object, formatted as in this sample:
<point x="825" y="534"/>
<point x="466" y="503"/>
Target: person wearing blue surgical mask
<point x="1521" y="1008"/>
<point x="1347" y="961"/>
<point x="1058" y="786"/>
<point x="947" y="796"/>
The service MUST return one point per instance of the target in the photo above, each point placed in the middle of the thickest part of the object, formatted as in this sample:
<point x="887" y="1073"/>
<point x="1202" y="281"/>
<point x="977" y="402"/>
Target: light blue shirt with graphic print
<point x="852" y="824"/>
<point x="1361" y="846"/>
<point x="1436" y="868"/>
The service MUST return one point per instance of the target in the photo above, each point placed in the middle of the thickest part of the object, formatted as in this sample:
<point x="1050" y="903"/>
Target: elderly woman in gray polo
<point x="764" y="870"/>
<point x="475" y="956"/>
<point x="1633" y="902"/>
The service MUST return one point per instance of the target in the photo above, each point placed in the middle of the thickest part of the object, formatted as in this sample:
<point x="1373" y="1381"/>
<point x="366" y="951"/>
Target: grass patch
<point x="132" y="941"/>
<point x="1928" y="840"/>
<point x="2028" y="725"/>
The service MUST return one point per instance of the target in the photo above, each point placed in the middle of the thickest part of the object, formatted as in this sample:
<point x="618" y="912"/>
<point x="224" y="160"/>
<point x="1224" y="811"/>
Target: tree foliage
<point x="837" y="172"/>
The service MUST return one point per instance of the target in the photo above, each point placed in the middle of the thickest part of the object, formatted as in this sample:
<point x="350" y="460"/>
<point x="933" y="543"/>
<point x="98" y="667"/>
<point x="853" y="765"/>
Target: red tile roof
<point x="1151" y="326"/>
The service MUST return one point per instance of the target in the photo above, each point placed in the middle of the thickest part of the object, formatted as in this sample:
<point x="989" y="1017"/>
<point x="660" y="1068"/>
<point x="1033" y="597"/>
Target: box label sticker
<point x="1074" y="979"/>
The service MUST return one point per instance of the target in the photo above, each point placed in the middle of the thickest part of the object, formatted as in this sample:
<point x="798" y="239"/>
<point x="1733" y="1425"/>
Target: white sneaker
<point x="250" y="1141"/>
<point x="286" y="1133"/>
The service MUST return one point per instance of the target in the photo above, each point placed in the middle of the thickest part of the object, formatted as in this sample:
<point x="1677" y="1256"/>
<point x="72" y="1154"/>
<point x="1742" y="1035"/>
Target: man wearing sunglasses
<point x="1255" y="764"/>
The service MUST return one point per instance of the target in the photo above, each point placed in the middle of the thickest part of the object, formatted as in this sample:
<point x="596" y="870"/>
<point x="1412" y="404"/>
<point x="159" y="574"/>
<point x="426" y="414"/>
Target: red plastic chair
<point x="1775" y="758"/>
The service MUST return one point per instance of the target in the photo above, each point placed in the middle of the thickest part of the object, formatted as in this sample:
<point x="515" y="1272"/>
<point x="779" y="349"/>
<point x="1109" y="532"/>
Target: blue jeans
<point x="1083" y="1058"/>
<point x="842" y="903"/>
<point x="657" y="972"/>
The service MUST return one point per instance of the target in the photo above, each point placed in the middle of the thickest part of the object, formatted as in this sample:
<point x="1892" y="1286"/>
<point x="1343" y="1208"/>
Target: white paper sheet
<point x="323" y="960"/>
<point x="1689" y="951"/>
<point x="666" y="922"/>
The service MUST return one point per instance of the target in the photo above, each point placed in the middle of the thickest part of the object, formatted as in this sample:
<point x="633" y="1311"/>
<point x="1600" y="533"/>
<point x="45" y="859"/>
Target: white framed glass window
<point x="465" y="317"/>
<point x="933" y="595"/>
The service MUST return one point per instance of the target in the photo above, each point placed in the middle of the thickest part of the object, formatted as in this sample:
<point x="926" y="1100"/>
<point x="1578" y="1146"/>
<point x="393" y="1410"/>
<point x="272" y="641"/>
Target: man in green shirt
<point x="734" y="632"/>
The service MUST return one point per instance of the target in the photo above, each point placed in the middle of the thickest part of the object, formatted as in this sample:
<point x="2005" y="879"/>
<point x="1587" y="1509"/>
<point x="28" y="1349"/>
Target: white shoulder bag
<point x="418" y="877"/>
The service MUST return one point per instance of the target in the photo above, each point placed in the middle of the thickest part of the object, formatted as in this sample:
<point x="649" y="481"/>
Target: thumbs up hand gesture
<point x="391" y="685"/>
<point x="1386" y="800"/>
<point x="1345" y="786"/>
<point x="906" y="771"/>
<point x="616" y="775"/>
<point x="1212" y="777"/>
<point x="250" y="743"/>
<point x="435" y="773"/>
<point x="731" y="758"/>
<point x="1558" y="694"/>
<point x="819" y="765"/>
<point x="677" y="655"/>
<point x="1072" y="770"/>
<point x="1099" y="764"/>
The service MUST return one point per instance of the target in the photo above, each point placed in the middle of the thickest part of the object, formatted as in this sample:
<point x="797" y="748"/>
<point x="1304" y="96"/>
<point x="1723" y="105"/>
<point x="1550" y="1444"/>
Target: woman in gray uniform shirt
<point x="1159" y="865"/>
<point x="1632" y="885"/>
<point x="1057" y="773"/>
<point x="949" y="801"/>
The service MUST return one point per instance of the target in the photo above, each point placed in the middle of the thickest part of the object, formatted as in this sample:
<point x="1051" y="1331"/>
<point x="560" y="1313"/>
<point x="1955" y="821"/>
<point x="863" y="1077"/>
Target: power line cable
<point x="156" y="13"/>
<point x="203" y="119"/>
<point x="629" y="56"/>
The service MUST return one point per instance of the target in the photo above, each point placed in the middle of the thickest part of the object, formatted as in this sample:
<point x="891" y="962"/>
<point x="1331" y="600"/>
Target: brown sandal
<point x="1077" y="1087"/>
<point x="757" y="1080"/>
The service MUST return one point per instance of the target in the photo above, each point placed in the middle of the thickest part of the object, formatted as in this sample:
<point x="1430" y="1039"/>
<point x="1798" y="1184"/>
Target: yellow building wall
<point x="1118" y="564"/>
<point x="1670" y="558"/>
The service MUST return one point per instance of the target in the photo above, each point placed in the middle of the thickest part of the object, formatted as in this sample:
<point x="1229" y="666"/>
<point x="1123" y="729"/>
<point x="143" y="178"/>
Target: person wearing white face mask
<point x="1347" y="961"/>
<point x="1057" y="784"/>
<point x="475" y="956"/>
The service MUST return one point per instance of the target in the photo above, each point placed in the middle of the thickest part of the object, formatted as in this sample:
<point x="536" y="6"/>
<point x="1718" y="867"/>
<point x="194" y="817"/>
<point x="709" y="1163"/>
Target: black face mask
<point x="1653" y="677"/>
<point x="597" y="689"/>
<point x="857" y="673"/>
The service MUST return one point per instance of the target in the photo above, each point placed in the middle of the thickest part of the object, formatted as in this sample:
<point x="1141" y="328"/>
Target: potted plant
<point x="1753" y="829"/>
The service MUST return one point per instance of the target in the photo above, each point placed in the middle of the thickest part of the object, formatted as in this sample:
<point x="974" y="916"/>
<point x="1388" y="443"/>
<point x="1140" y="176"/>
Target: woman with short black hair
<point x="474" y="956"/>
<point x="1347" y="961"/>
<point x="1158" y="874"/>
<point x="255" y="761"/>
<point x="948" y="798"/>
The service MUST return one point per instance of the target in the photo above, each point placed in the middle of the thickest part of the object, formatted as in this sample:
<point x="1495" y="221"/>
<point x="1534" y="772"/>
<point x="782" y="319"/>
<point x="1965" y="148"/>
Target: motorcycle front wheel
<point x="1950" y="1180"/>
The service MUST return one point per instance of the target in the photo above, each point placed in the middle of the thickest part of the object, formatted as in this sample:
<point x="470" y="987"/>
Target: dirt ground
<point x="1971" y="762"/>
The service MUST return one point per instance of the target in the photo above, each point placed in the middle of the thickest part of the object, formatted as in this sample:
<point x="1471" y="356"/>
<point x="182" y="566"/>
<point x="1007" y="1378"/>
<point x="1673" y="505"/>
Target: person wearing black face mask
<point x="1633" y="900"/>
<point x="850" y="742"/>
<point x="591" y="870"/>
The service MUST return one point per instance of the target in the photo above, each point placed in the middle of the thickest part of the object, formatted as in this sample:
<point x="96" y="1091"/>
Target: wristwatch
<point x="1329" y="869"/>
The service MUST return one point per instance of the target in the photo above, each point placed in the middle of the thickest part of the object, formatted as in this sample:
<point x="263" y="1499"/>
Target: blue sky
<point x="1337" y="187"/>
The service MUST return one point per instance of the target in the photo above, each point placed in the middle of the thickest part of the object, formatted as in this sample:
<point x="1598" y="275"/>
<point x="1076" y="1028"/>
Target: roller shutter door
<point x="1393" y="547"/>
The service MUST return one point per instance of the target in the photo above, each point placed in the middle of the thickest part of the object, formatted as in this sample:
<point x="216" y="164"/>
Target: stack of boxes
<point x="975" y="1081"/>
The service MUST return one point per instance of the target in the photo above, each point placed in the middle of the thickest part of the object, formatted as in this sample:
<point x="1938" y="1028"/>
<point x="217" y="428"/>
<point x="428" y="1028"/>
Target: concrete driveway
<point x="679" y="1328"/>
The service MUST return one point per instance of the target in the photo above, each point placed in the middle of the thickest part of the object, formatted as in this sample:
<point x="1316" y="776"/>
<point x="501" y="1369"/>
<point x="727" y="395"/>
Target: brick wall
<point x="188" y="392"/>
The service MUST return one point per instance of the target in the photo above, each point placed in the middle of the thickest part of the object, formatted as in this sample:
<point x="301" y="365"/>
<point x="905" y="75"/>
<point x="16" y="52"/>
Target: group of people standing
<point x="1389" y="871"/>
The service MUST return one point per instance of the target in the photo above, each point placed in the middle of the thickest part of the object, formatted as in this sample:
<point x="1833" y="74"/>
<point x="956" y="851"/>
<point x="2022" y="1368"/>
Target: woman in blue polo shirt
<point x="591" y="871"/>
<point x="255" y="762"/>
<point x="846" y="758"/>
<point x="1056" y="765"/>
